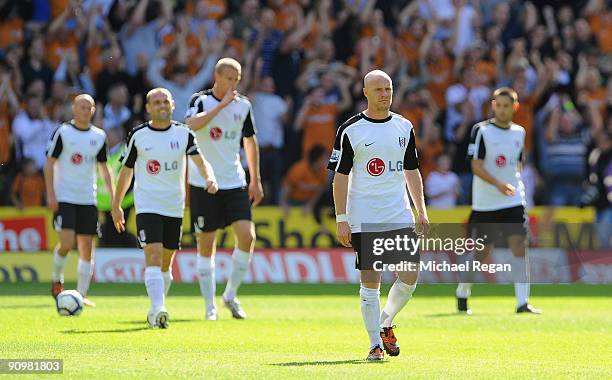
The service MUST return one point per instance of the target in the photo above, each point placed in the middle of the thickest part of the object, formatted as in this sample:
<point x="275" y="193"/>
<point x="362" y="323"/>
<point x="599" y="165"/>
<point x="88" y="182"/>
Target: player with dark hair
<point x="498" y="194"/>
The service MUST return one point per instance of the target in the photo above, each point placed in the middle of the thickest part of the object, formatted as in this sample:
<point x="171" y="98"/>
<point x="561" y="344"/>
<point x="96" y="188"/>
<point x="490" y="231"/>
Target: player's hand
<point x="506" y="189"/>
<point x="211" y="186"/>
<point x="52" y="202"/>
<point x="343" y="233"/>
<point x="255" y="192"/>
<point x="228" y="97"/>
<point x="422" y="226"/>
<point x="118" y="219"/>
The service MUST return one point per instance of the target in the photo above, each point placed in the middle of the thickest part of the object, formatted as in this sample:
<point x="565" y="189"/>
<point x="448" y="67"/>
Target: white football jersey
<point x="220" y="139"/>
<point x="158" y="158"/>
<point x="501" y="149"/>
<point x="77" y="152"/>
<point x="374" y="153"/>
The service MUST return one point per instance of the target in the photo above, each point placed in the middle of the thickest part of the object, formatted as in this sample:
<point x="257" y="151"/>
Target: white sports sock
<point x="521" y="280"/>
<point x="155" y="286"/>
<point x="240" y="265"/>
<point x="206" y="277"/>
<point x="59" y="262"/>
<point x="167" y="281"/>
<point x="85" y="271"/>
<point x="370" y="312"/>
<point x="464" y="290"/>
<point x="399" y="295"/>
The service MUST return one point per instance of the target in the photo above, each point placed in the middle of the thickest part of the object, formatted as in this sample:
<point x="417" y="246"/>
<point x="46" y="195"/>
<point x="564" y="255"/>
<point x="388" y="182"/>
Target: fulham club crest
<point x="402" y="142"/>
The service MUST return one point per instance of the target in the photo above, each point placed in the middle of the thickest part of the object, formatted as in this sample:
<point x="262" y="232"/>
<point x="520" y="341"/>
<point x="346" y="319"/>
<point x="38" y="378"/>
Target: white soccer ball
<point x="69" y="302"/>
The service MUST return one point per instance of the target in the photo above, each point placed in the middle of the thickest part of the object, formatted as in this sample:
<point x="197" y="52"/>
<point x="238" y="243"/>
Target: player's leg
<point x="85" y="246"/>
<point x="207" y="243"/>
<point x="206" y="217"/>
<point x="64" y="223"/>
<point x="86" y="228"/>
<point x="399" y="295"/>
<point x="520" y="270"/>
<point x="171" y="240"/>
<point x="369" y="294"/>
<point x="237" y="211"/>
<point x="154" y="282"/>
<point x="150" y="238"/>
<point x="166" y="269"/>
<point x="478" y="229"/>
<point x="241" y="257"/>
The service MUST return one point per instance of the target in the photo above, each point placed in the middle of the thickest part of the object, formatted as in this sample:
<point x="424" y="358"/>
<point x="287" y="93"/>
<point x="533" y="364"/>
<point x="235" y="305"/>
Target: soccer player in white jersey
<point x="498" y="195"/>
<point x="374" y="158"/>
<point x="70" y="178"/>
<point x="155" y="155"/>
<point x="222" y="119"/>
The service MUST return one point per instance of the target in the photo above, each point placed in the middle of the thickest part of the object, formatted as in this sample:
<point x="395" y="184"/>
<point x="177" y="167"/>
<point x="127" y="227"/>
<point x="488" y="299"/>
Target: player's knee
<point x="64" y="247"/>
<point x="246" y="236"/>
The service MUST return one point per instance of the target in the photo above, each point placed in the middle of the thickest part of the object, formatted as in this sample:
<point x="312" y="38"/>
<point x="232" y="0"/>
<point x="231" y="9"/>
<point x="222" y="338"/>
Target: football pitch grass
<point x="314" y="331"/>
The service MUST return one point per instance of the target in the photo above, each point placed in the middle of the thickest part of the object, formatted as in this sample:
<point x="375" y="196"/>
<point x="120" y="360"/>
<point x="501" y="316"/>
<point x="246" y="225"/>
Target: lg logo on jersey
<point x="500" y="161"/>
<point x="78" y="158"/>
<point x="154" y="167"/>
<point x="376" y="166"/>
<point x="217" y="133"/>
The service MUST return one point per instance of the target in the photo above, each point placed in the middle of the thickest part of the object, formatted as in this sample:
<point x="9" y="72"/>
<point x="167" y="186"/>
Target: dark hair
<point x="315" y="153"/>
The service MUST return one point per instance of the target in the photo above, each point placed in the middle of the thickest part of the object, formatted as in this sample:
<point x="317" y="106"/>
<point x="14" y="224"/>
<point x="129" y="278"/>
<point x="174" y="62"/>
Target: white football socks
<point x="370" y="311"/>
<point x="521" y="280"/>
<point x="167" y="276"/>
<point x="59" y="262"/>
<point x="240" y="265"/>
<point x="399" y="295"/>
<point x="155" y="287"/>
<point x="85" y="271"/>
<point x="206" y="277"/>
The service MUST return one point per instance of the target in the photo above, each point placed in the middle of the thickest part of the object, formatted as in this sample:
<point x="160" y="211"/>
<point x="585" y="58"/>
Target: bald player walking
<point x="374" y="158"/>
<point x="75" y="150"/>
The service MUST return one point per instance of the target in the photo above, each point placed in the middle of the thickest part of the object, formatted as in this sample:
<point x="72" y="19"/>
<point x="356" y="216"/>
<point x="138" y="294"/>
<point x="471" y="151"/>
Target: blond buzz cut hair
<point x="506" y="91"/>
<point x="87" y="97"/>
<point x="228" y="63"/>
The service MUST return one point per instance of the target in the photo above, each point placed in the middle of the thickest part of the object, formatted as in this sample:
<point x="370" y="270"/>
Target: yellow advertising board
<point x="31" y="229"/>
<point x="33" y="267"/>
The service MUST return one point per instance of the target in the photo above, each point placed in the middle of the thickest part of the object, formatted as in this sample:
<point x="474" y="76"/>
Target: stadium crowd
<point x="302" y="63"/>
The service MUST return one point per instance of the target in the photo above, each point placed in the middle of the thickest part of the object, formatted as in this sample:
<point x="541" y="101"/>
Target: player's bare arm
<point x="252" y="154"/>
<point x="340" y="187"/>
<point x="415" y="188"/>
<point x="125" y="179"/>
<point x="207" y="172"/>
<point x="48" y="172"/>
<point x="479" y="170"/>
<point x="201" y="119"/>
<point x="107" y="178"/>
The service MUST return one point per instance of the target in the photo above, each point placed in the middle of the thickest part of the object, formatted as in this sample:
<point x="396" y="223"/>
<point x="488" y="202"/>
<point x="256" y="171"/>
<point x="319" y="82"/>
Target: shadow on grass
<point x="105" y="331"/>
<point x="37" y="306"/>
<point x="455" y="314"/>
<point x="140" y="322"/>
<point x="331" y="362"/>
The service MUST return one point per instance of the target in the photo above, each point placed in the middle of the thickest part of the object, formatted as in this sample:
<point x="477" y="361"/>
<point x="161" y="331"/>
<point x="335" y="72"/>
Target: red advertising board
<point x="23" y="234"/>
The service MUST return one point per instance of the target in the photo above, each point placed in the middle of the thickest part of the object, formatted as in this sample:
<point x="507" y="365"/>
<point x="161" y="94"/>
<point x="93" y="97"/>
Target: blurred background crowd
<point x="303" y="64"/>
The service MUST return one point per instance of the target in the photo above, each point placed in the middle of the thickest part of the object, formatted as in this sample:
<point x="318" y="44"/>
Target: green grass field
<point x="314" y="331"/>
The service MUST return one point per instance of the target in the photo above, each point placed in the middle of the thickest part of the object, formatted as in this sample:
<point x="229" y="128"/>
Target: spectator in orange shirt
<point x="28" y="187"/>
<point x="306" y="183"/>
<point x="317" y="117"/>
